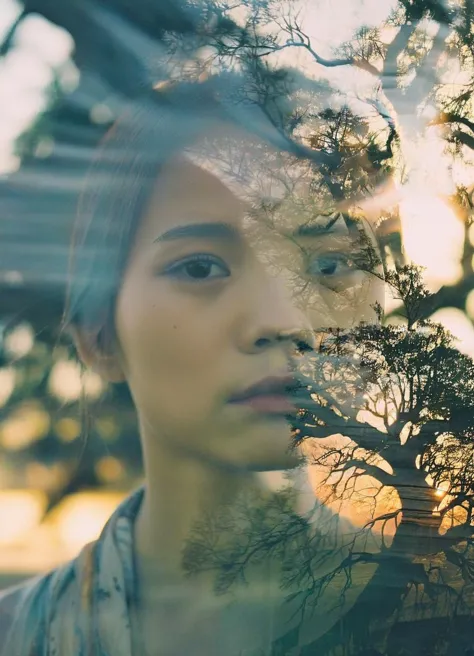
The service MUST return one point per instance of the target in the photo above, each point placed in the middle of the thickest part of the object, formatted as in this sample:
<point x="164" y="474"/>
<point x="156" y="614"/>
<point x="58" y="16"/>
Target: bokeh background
<point x="69" y="450"/>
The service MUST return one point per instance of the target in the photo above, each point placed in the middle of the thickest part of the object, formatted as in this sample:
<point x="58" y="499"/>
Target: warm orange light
<point x="460" y="326"/>
<point x="30" y="422"/>
<point x="80" y="518"/>
<point x="67" y="429"/>
<point x="433" y="236"/>
<point x="109" y="469"/>
<point x="7" y="384"/>
<point x="68" y="382"/>
<point x="20" y="512"/>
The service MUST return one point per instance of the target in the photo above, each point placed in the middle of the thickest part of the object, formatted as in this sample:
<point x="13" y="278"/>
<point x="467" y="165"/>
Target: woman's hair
<point x="124" y="174"/>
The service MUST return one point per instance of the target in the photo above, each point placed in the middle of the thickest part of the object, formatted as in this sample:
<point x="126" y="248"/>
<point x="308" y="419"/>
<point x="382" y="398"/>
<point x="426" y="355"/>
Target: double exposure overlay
<point x="237" y="341"/>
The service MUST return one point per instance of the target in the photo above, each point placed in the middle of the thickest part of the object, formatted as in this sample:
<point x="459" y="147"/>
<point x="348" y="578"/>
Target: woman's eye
<point x="198" y="268"/>
<point x="330" y="264"/>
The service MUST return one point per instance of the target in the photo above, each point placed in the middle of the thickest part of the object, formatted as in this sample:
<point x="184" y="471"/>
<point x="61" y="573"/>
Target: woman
<point x="201" y="269"/>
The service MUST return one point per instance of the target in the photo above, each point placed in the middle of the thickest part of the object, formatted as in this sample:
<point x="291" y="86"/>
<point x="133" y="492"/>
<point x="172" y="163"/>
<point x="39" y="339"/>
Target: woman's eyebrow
<point x="210" y="230"/>
<point x="334" y="225"/>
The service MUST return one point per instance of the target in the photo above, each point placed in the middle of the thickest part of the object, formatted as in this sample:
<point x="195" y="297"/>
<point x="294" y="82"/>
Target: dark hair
<point x="123" y="176"/>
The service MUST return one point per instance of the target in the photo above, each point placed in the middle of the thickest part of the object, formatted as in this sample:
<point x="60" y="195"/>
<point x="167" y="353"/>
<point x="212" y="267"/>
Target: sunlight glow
<point x="28" y="546"/>
<point x="67" y="381"/>
<point x="7" y="384"/>
<point x="67" y="429"/>
<point x="20" y="511"/>
<point x="459" y="325"/>
<point x="433" y="237"/>
<point x="48" y="478"/>
<point x="79" y="519"/>
<point x="20" y="341"/>
<point x="470" y="304"/>
<point x="29" y="423"/>
<point x="109" y="469"/>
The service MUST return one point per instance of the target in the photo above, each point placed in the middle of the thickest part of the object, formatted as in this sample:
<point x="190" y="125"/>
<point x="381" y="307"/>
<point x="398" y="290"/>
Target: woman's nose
<point x="276" y="321"/>
<point x="300" y="338"/>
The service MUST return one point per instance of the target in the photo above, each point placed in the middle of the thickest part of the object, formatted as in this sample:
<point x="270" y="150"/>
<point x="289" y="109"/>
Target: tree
<point x="414" y="437"/>
<point x="400" y="401"/>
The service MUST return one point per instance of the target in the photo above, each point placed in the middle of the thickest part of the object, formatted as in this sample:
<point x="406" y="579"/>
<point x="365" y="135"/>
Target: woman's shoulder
<point x="10" y="601"/>
<point x="22" y="605"/>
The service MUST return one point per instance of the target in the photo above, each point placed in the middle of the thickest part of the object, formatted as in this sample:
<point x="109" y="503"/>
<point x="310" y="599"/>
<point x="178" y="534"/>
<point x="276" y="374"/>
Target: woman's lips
<point x="268" y="404"/>
<point x="271" y="395"/>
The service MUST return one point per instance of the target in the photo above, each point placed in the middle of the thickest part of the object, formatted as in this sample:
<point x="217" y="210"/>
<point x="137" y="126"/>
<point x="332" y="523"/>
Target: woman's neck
<point x="180" y="492"/>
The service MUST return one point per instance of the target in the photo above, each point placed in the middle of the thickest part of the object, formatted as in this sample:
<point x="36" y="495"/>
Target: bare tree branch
<point x="371" y="470"/>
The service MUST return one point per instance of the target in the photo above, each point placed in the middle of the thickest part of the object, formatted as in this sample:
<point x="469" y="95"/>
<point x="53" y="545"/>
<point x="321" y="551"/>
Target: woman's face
<point x="209" y="288"/>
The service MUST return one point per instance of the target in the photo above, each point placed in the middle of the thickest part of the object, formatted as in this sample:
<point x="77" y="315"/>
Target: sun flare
<point x="433" y="236"/>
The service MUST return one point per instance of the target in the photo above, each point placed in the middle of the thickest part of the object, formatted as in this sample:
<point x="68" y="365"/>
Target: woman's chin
<point x="266" y="446"/>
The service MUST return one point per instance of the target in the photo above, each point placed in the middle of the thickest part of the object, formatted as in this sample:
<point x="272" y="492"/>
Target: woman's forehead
<point x="262" y="176"/>
<point x="188" y="193"/>
<point x="232" y="176"/>
<point x="251" y="169"/>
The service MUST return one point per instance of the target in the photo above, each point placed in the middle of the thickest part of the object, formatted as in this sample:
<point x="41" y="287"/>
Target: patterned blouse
<point x="84" y="607"/>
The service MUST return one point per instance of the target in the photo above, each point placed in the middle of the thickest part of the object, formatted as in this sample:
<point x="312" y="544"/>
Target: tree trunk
<point x="385" y="592"/>
<point x="374" y="608"/>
